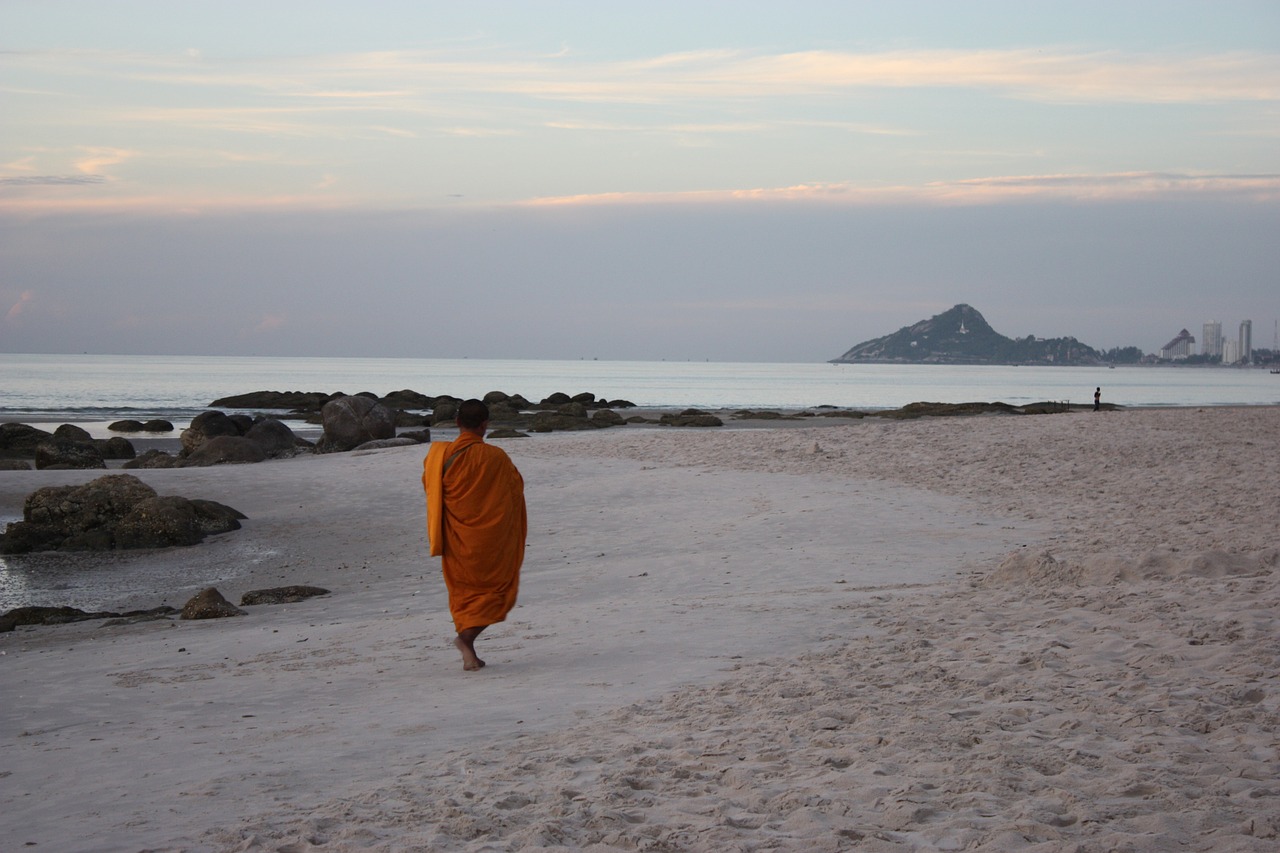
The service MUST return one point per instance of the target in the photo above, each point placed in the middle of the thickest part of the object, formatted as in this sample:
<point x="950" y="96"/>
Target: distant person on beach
<point x="1097" y="399"/>
<point x="477" y="525"/>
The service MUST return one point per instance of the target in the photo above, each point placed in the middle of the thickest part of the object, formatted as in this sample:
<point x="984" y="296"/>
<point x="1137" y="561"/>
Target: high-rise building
<point x="1179" y="347"/>
<point x="1246" y="341"/>
<point x="1230" y="352"/>
<point x="1211" y="341"/>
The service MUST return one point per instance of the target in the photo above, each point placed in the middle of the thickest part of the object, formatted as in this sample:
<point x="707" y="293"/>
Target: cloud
<point x="24" y="299"/>
<point x="51" y="180"/>
<point x="96" y="159"/>
<point x="988" y="190"/>
<point x="270" y="323"/>
<point x="392" y="78"/>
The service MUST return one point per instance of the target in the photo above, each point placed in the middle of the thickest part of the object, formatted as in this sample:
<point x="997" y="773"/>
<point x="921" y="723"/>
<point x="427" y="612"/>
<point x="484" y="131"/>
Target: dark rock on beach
<point x="300" y="401"/>
<point x="691" y="418"/>
<point x="209" y="604"/>
<point x="154" y="425"/>
<point x="116" y="447"/>
<point x="223" y="450"/>
<point x="281" y="595"/>
<point x="205" y="426"/>
<point x="64" y="615"/>
<point x="18" y="441"/>
<point x="60" y="454"/>
<point x="352" y="421"/>
<point x="117" y="511"/>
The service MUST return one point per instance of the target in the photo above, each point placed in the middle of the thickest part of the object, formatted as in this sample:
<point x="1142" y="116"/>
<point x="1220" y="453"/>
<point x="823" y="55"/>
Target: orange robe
<point x="476" y="523"/>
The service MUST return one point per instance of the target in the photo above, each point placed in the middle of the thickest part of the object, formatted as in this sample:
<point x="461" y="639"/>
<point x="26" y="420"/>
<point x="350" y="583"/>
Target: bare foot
<point x="466" y="643"/>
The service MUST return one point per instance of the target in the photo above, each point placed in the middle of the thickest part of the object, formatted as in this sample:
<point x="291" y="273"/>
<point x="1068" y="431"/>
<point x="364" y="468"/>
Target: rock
<point x="549" y="421"/>
<point x="407" y="399"/>
<point x="281" y="595"/>
<point x="691" y="418"/>
<point x="19" y="441"/>
<point x="116" y="447"/>
<point x="518" y="403"/>
<point x="154" y="459"/>
<point x="213" y="517"/>
<point x="64" y="615"/>
<point x="159" y="522"/>
<point x="618" y="404"/>
<point x="243" y="423"/>
<point x="351" y="421"/>
<point x="586" y="398"/>
<point x="445" y="411"/>
<point x="14" y="465"/>
<point x="224" y="450"/>
<point x="62" y="454"/>
<point x="275" y="439"/>
<point x="126" y="426"/>
<point x="305" y="401"/>
<point x="503" y="413"/>
<point x="506" y="433"/>
<point x="157" y="425"/>
<point x="495" y="397"/>
<point x="209" y="604"/>
<point x="421" y="436"/>
<point x="205" y="426"/>
<point x="607" y="417"/>
<point x="556" y="399"/>
<point x="71" y="432"/>
<point x="381" y="443"/>
<point x="115" y="511"/>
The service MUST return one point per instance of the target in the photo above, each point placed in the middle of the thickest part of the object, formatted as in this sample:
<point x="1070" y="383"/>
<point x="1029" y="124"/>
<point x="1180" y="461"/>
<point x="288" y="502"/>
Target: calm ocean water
<point x="92" y="391"/>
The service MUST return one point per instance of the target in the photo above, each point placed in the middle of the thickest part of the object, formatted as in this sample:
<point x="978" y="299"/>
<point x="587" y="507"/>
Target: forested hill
<point x="962" y="336"/>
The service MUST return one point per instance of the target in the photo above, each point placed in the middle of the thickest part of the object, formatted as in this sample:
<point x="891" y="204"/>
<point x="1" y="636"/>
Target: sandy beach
<point x="1055" y="632"/>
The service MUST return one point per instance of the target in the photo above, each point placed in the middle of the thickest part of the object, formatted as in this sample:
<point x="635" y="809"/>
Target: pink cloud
<point x="25" y="298"/>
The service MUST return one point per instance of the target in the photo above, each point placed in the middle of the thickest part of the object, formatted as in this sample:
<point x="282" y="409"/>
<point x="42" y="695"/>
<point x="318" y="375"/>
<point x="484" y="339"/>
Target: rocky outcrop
<point x="64" y="615"/>
<point x="351" y="421"/>
<point x="205" y="426"/>
<point x="209" y="604"/>
<point x="60" y="454"/>
<point x="281" y="595"/>
<point x="216" y="438"/>
<point x="154" y="425"/>
<point x="18" y="441"/>
<point x="691" y="418"/>
<point x="117" y="511"/>
<point x="223" y="450"/>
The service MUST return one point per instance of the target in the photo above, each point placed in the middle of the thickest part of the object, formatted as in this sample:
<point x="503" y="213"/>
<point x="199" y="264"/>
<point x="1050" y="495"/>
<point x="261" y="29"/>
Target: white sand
<point x="1053" y="633"/>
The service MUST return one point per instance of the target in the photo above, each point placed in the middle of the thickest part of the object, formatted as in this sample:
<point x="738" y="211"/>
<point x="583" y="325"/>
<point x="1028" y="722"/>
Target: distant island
<point x="962" y="336"/>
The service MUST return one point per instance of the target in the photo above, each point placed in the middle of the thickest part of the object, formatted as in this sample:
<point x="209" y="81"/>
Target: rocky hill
<point x="962" y="336"/>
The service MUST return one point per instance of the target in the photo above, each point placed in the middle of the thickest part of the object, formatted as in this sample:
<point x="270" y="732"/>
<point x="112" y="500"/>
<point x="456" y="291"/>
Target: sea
<point x="92" y="391"/>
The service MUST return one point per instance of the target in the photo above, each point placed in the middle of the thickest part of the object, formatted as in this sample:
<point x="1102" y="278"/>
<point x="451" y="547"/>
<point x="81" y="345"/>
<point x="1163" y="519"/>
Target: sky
<point x="728" y="181"/>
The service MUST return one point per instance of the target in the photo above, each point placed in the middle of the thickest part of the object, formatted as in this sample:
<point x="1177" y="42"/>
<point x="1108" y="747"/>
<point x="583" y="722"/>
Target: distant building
<point x="1230" y="352"/>
<point x="1179" y="347"/>
<point x="1211" y="340"/>
<point x="1246" y="341"/>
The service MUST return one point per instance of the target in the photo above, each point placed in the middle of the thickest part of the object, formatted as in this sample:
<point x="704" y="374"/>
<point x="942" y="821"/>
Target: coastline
<point x="816" y="638"/>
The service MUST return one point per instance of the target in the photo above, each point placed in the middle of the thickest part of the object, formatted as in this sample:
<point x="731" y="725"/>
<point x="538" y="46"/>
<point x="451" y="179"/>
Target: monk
<point x="477" y="525"/>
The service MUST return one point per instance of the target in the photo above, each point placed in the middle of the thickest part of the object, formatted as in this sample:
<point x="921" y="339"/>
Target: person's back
<point x="476" y="511"/>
